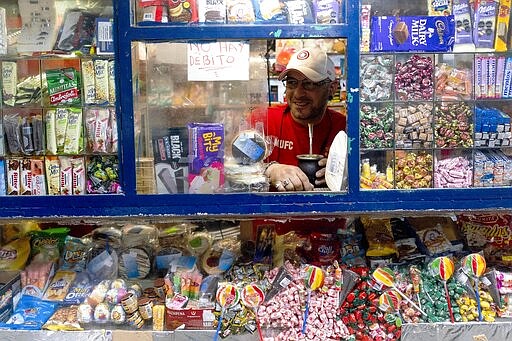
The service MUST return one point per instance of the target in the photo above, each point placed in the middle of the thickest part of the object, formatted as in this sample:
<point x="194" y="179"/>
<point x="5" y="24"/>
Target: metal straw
<point x="310" y="126"/>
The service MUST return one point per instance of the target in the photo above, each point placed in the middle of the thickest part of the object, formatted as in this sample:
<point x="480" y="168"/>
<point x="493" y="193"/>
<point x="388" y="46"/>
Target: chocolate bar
<point x="401" y="32"/>
<point x="412" y="33"/>
<point x="484" y="29"/>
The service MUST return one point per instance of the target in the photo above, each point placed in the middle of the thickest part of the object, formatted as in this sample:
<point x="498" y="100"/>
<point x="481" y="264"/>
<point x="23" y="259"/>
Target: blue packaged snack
<point x="80" y="289"/>
<point x="414" y="34"/>
<point x="269" y="12"/>
<point x="30" y="314"/>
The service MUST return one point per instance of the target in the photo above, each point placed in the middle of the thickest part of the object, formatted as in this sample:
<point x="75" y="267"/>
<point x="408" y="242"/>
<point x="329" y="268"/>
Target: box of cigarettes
<point x="170" y="154"/>
<point x="206" y="157"/>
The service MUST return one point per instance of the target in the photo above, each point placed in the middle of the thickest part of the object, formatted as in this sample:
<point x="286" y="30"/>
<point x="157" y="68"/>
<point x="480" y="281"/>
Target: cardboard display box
<point x="189" y="318"/>
<point x="10" y="288"/>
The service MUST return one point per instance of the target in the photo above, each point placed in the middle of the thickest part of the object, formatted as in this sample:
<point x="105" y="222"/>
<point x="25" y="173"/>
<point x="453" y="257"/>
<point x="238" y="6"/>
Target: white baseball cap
<point x="314" y="63"/>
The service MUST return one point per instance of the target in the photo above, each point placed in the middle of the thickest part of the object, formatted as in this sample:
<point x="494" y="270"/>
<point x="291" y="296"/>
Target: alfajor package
<point x="300" y="11"/>
<point x="211" y="11"/>
<point x="269" y="11"/>
<point x="206" y="157"/>
<point x="412" y="33"/>
<point x="326" y="11"/>
<point x="182" y="11"/>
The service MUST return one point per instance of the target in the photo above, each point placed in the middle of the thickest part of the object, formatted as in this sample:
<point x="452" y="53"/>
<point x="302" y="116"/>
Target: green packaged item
<point x="63" y="86"/>
<point x="47" y="245"/>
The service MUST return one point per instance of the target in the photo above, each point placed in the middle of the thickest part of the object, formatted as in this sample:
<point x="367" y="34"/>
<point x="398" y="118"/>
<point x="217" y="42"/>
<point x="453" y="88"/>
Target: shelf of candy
<point x="240" y="12"/>
<point x="376" y="74"/>
<point x="453" y="125"/>
<point x="454" y="77"/>
<point x="413" y="169"/>
<point x="413" y="78"/>
<point x="453" y="169"/>
<point x="492" y="127"/>
<point x="492" y="168"/>
<point x="21" y="82"/>
<point x="413" y="125"/>
<point x="376" y="170"/>
<point x="376" y="126"/>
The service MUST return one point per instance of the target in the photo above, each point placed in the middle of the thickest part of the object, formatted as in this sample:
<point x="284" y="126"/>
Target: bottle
<point x="365" y="171"/>
<point x="389" y="174"/>
<point x="26" y="135"/>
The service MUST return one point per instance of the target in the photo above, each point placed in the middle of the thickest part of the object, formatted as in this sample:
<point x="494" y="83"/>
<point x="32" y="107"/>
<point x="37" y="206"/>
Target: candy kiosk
<point x="133" y="147"/>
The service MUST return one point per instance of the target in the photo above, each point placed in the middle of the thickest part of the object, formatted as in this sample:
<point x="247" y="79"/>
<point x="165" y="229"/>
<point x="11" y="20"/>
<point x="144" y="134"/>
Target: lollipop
<point x="386" y="277"/>
<point x="414" y="272"/>
<point x="389" y="301"/>
<point x="227" y="297"/>
<point x="443" y="268"/>
<point x="475" y="265"/>
<point x="313" y="280"/>
<point x="252" y="296"/>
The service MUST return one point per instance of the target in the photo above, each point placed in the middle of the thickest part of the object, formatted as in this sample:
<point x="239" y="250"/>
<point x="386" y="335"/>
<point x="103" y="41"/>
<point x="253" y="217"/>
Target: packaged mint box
<point x="412" y="34"/>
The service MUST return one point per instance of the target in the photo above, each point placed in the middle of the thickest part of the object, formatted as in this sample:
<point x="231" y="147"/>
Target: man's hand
<point x="320" y="174"/>
<point x="289" y="178"/>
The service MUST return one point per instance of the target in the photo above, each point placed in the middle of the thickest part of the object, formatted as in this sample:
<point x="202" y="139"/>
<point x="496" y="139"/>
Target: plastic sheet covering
<point x="179" y="335"/>
<point x="44" y="335"/>
<point x="117" y="335"/>
<point x="194" y="335"/>
<point x="474" y="331"/>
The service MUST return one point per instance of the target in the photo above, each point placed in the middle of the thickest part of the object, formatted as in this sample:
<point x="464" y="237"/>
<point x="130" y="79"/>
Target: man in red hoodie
<point x="310" y="82"/>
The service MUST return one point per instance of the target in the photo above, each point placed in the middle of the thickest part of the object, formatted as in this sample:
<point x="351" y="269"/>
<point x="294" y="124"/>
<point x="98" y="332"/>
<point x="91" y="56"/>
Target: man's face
<point x="307" y="106"/>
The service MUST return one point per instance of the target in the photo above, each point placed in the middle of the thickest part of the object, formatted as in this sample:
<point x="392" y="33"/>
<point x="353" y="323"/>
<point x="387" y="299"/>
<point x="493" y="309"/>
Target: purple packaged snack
<point x="412" y="33"/>
<point x="326" y="11"/>
<point x="463" y="22"/>
<point x="500" y="71"/>
<point x="484" y="28"/>
<point x="206" y="157"/>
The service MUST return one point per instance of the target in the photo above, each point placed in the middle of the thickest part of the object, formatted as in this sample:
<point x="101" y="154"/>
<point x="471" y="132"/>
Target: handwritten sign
<point x="219" y="61"/>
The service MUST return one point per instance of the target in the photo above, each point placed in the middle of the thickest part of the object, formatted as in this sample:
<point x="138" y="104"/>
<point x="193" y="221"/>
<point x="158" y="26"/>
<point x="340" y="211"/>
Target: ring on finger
<point x="286" y="182"/>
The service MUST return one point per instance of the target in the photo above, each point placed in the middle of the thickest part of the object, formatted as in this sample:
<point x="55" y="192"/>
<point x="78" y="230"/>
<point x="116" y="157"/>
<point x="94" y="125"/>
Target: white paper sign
<point x="219" y="61"/>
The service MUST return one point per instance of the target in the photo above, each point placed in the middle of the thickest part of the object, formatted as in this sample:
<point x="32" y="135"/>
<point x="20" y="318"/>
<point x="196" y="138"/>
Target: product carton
<point x="171" y="161"/>
<point x="10" y="288"/>
<point x="206" y="157"/>
<point x="189" y="318"/>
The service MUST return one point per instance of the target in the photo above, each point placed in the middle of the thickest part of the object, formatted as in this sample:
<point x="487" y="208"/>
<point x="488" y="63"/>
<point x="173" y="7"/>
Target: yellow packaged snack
<point x="379" y="235"/>
<point x="14" y="255"/>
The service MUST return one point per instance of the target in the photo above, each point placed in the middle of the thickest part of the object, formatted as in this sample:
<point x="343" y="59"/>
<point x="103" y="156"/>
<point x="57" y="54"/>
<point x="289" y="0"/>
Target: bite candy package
<point x="206" y="157"/>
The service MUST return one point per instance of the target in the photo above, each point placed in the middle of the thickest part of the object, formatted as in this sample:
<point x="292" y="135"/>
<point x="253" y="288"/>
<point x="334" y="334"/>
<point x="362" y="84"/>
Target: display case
<point x="146" y="87"/>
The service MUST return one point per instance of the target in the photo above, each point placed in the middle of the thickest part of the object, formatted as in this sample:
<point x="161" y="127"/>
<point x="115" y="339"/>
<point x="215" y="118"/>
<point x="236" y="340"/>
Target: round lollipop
<point x="252" y="296"/>
<point x="474" y="265"/>
<point x="389" y="301"/>
<point x="227" y="297"/>
<point x="386" y="277"/>
<point x="443" y="267"/>
<point x="313" y="280"/>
